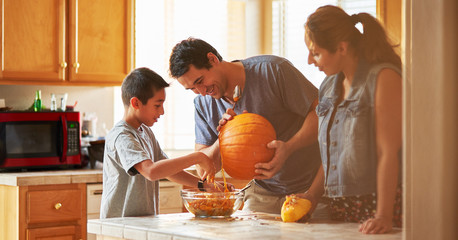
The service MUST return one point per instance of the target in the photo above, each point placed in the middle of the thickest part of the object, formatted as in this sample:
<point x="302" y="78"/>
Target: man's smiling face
<point x="204" y="81"/>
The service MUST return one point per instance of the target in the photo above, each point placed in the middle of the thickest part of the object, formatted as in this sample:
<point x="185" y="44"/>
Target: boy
<point x="133" y="160"/>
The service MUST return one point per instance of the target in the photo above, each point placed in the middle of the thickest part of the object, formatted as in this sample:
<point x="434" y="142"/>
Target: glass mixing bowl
<point x="211" y="204"/>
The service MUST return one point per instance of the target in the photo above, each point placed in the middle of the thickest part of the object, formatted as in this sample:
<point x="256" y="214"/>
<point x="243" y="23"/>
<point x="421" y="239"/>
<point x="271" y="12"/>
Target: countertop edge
<point x="34" y="178"/>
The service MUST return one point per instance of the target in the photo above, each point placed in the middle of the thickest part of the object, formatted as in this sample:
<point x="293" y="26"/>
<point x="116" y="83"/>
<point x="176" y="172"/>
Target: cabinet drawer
<point x="169" y="197"/>
<point x="61" y="233"/>
<point x="94" y="198"/>
<point x="54" y="206"/>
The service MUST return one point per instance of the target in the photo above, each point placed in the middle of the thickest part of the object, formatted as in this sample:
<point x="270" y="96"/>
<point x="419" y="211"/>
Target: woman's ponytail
<point x="374" y="44"/>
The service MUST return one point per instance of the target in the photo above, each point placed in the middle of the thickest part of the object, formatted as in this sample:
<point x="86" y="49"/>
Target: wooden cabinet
<point x="390" y="14"/>
<point x="43" y="212"/>
<point x="67" y="42"/>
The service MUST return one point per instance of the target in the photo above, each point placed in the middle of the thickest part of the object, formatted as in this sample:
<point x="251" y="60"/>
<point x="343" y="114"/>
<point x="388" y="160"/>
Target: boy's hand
<point x="207" y="165"/>
<point x="218" y="186"/>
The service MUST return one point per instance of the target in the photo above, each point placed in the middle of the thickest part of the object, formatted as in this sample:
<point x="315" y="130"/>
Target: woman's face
<point x="329" y="63"/>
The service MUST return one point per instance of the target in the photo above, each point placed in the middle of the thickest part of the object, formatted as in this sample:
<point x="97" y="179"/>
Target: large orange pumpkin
<point x="243" y="143"/>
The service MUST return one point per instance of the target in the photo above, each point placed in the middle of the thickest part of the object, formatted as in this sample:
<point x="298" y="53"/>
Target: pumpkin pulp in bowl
<point x="211" y="204"/>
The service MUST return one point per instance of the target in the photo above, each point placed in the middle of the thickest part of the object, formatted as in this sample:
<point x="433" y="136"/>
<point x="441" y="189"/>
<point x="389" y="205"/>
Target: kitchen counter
<point x="242" y="225"/>
<point x="32" y="178"/>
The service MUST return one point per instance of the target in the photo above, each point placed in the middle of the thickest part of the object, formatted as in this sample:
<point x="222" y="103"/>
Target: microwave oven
<point x="30" y="140"/>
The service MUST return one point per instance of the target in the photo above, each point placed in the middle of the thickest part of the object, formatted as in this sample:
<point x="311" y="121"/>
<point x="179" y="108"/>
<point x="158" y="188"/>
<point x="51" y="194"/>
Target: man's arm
<point x="307" y="134"/>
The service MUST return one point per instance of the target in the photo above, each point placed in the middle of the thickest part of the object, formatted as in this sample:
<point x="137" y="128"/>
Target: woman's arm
<point x="388" y="130"/>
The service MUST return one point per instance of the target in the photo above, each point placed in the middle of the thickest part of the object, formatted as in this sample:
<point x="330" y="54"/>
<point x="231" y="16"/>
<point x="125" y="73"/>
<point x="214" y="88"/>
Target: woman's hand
<point x="376" y="225"/>
<point x="314" y="202"/>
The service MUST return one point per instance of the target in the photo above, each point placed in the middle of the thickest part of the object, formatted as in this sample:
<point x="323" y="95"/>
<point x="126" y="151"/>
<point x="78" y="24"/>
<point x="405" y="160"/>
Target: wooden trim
<point x="381" y="10"/>
<point x="22" y="212"/>
<point x="130" y="37"/>
<point x="73" y="40"/>
<point x="9" y="212"/>
<point x="62" y="41"/>
<point x="266" y="26"/>
<point x="2" y="45"/>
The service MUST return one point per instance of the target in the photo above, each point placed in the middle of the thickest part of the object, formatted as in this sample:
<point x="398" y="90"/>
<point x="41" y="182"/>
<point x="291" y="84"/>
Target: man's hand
<point x="269" y="169"/>
<point x="229" y="115"/>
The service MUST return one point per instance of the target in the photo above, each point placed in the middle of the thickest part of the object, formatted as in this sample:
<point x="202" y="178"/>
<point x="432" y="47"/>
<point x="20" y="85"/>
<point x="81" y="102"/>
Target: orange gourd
<point x="294" y="208"/>
<point x="243" y="143"/>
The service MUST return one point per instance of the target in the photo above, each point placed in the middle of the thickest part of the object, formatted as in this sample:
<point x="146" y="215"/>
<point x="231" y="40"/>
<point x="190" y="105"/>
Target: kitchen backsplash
<point x="98" y="100"/>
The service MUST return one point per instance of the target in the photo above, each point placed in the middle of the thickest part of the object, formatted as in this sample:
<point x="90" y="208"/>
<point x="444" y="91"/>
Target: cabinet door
<point x="33" y="46"/>
<point x="101" y="41"/>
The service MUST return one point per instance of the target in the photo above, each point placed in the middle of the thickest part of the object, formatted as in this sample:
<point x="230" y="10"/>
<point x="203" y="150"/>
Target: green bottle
<point x="37" y="102"/>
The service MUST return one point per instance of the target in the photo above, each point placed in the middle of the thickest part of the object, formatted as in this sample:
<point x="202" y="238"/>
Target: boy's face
<point x="153" y="109"/>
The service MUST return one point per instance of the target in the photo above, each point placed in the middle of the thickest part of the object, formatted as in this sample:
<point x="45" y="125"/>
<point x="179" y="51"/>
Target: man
<point x="271" y="87"/>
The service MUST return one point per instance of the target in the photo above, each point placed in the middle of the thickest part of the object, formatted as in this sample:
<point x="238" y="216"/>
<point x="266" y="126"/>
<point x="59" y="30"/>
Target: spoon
<point x="237" y="95"/>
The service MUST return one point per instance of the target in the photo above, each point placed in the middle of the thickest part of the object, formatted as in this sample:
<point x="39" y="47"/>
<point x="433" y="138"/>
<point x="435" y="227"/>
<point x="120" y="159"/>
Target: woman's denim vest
<point x="348" y="150"/>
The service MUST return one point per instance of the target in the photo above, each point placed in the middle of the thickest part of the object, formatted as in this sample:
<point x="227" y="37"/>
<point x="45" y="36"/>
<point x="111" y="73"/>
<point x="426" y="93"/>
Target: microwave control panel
<point x="73" y="145"/>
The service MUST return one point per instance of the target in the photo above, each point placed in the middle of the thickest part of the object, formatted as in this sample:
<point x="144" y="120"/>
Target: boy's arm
<point x="184" y="178"/>
<point x="212" y="152"/>
<point x="165" y="168"/>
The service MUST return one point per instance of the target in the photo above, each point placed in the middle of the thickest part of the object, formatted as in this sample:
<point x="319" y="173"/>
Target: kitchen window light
<point x="236" y="28"/>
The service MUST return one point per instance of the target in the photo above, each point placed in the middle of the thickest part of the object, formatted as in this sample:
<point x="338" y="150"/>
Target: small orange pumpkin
<point x="294" y="208"/>
<point x="243" y="143"/>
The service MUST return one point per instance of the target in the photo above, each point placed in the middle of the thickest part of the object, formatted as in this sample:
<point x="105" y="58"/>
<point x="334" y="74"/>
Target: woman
<point x="359" y="114"/>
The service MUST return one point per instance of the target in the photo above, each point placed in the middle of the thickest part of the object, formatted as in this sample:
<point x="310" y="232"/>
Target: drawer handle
<point x="58" y="206"/>
<point x="97" y="192"/>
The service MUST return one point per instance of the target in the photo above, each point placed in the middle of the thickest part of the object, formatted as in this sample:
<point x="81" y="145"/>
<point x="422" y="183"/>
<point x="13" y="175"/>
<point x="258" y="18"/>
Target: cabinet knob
<point x="76" y="65"/>
<point x="58" y="206"/>
<point x="63" y="65"/>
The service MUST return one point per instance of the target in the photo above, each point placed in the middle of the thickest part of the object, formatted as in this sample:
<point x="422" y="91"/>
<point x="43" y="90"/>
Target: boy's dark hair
<point x="141" y="83"/>
<point x="190" y="51"/>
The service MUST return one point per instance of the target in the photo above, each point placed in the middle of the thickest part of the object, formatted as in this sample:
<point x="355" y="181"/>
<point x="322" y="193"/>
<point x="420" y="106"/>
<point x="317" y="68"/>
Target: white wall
<point x="90" y="99"/>
<point x="431" y="119"/>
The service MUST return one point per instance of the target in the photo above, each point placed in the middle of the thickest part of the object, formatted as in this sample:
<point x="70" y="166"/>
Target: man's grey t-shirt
<point x="125" y="191"/>
<point x="276" y="90"/>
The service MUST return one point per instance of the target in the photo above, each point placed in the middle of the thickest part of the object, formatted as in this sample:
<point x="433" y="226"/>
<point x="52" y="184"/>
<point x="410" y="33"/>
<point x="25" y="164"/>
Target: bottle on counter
<point x="37" y="102"/>
<point x="53" y="106"/>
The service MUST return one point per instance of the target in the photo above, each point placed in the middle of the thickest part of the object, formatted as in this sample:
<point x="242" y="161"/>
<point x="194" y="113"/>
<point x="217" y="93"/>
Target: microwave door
<point x="31" y="139"/>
